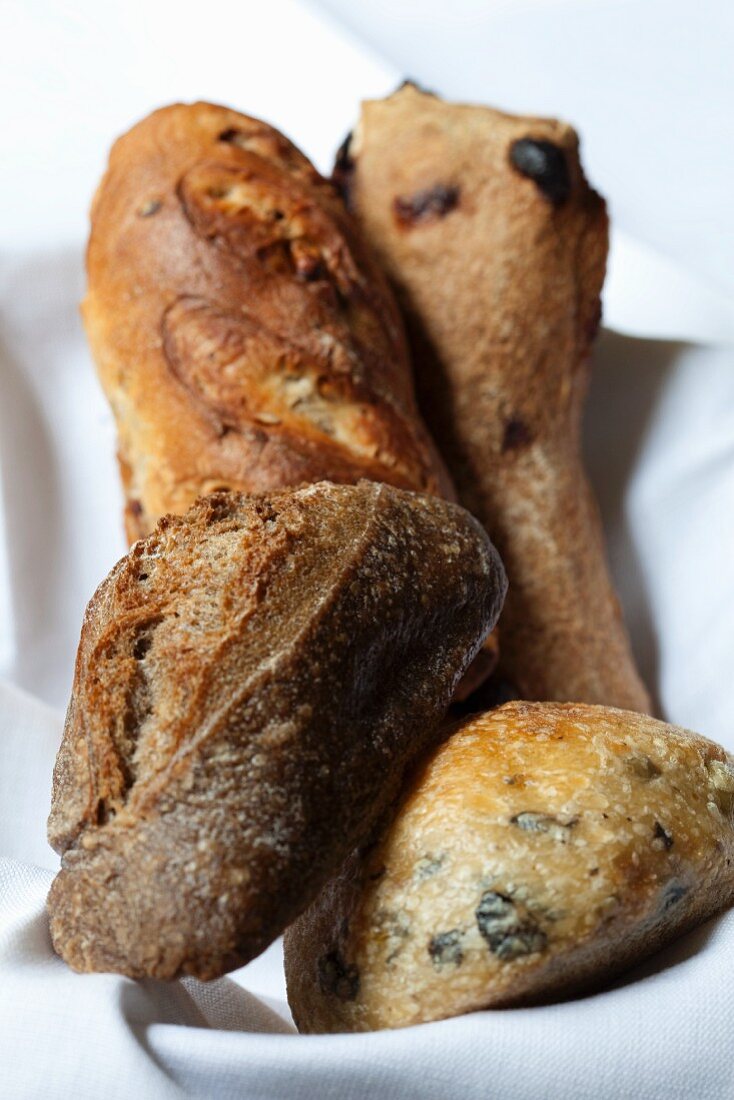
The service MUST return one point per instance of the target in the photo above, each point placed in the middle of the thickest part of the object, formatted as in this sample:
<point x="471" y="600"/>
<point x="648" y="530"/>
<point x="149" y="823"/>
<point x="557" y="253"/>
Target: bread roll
<point x="251" y="681"/>
<point x="541" y="850"/>
<point x="497" y="246"/>
<point x="242" y="332"/>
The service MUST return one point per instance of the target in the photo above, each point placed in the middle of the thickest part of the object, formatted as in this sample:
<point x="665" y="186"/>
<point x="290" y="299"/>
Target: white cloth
<point x="660" y="443"/>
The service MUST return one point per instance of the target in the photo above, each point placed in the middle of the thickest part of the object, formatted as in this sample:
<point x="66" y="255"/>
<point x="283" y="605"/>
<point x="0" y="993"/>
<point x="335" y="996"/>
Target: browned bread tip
<point x="242" y="332"/>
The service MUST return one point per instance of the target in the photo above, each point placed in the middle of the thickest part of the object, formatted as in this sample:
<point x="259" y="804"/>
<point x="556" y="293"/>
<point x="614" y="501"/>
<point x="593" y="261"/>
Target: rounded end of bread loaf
<point x="541" y="850"/>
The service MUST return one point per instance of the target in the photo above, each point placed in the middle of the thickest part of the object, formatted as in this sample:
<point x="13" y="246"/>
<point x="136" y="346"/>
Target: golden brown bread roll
<point x="497" y="245"/>
<point x="251" y="681"/>
<point x="242" y="332"/>
<point x="540" y="850"/>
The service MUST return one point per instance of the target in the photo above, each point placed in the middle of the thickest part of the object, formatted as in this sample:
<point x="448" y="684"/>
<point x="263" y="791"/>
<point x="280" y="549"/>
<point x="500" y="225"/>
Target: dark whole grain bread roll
<point x="251" y="682"/>
<point x="242" y="331"/>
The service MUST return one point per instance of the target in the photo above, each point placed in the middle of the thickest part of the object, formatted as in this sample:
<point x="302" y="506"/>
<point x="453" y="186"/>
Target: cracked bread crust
<point x="251" y="681"/>
<point x="496" y="245"/>
<point x="241" y="330"/>
<point x="542" y="849"/>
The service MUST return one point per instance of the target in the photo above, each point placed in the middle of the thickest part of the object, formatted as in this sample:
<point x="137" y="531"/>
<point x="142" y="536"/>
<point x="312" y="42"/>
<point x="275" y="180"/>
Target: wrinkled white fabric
<point x="660" y="445"/>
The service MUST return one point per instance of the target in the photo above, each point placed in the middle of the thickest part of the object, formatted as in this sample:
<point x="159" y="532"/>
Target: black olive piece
<point x="531" y="822"/>
<point x="545" y="164"/>
<point x="507" y="933"/>
<point x="428" y="866"/>
<point x="445" y="949"/>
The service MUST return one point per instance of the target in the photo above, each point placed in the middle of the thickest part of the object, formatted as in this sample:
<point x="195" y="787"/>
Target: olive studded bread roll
<point x="539" y="851"/>
<point x="251" y="682"/>
<point x="243" y="334"/>
<point x="497" y="245"/>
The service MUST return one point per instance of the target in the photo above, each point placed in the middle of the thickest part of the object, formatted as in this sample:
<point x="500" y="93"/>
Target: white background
<point x="650" y="86"/>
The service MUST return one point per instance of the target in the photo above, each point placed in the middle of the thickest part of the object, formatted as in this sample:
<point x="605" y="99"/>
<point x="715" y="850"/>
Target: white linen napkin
<point x="660" y="443"/>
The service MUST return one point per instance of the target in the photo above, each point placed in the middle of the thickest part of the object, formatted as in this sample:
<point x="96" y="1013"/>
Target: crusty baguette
<point x="251" y="681"/>
<point x="497" y="245"/>
<point x="242" y="332"/>
<point x="541" y="850"/>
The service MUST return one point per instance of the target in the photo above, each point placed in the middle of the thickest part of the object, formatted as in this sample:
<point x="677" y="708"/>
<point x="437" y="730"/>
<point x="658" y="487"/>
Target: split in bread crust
<point x="497" y="246"/>
<point x="251" y="682"/>
<point x="539" y="851"/>
<point x="243" y="334"/>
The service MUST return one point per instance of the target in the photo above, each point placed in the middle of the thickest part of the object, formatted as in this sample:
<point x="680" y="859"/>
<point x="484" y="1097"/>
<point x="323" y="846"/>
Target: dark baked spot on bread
<point x="516" y="436"/>
<point x="642" y="767"/>
<point x="408" y="82"/>
<point x="298" y="258"/>
<point x="219" y="505"/>
<point x="445" y="949"/>
<point x="255" y="139"/>
<point x="545" y="164"/>
<point x="338" y="978"/>
<point x="663" y="838"/>
<point x="674" y="893"/>
<point x="343" y="171"/>
<point x="508" y="931"/>
<point x="428" y="205"/>
<point x="143" y="641"/>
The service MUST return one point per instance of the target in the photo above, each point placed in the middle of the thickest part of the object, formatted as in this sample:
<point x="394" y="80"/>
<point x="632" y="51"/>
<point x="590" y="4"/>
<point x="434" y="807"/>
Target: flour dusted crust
<point x="251" y="681"/>
<point x="542" y="849"/>
<point x="497" y="246"/>
<point x="242" y="332"/>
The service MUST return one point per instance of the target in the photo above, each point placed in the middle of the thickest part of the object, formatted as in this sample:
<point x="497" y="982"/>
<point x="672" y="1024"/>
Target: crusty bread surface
<point x="251" y="681"/>
<point x="541" y="850"/>
<point x="242" y="332"/>
<point x="497" y="246"/>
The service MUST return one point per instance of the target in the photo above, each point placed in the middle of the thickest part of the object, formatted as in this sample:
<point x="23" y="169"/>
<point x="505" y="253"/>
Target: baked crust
<point x="251" y="681"/>
<point x="538" y="852"/>
<point x="497" y="247"/>
<point x="242" y="332"/>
